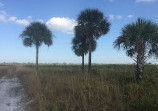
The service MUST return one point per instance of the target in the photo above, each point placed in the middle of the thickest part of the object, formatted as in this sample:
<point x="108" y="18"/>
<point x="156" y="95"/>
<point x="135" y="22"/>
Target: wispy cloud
<point x="23" y="22"/>
<point x="130" y="16"/>
<point x="12" y="19"/>
<point x="119" y="17"/>
<point x="3" y="12"/>
<point x="61" y="24"/>
<point x="29" y="17"/>
<point x="1" y="4"/>
<point x="116" y="17"/>
<point x="111" y="16"/>
<point x="138" y="1"/>
<point x="40" y="20"/>
<point x="3" y="16"/>
<point x="111" y="0"/>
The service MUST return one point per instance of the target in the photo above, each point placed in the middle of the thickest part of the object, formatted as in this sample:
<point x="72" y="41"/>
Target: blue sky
<point x="60" y="16"/>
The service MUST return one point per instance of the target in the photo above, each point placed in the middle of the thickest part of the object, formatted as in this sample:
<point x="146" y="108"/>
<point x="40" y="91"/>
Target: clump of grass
<point x="8" y="71"/>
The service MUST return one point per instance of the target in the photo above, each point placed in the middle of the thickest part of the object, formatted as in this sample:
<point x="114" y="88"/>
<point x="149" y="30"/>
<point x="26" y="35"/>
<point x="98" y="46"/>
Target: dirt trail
<point x="11" y="95"/>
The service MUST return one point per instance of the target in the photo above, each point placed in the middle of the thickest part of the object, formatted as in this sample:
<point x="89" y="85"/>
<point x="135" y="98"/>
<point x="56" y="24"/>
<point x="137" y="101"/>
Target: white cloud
<point x="114" y="17"/>
<point x="137" y="1"/>
<point x="111" y="16"/>
<point x="22" y="22"/>
<point x="12" y="19"/>
<point x="1" y="4"/>
<point x="40" y="20"/>
<point x="2" y="18"/>
<point x="130" y="16"/>
<point x="3" y="12"/>
<point x="61" y="24"/>
<point x="119" y="17"/>
<point x="5" y="18"/>
<point x="111" y="0"/>
<point x="29" y="17"/>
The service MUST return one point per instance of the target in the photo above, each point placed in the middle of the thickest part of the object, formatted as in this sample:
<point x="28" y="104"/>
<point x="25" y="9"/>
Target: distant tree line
<point x="138" y="39"/>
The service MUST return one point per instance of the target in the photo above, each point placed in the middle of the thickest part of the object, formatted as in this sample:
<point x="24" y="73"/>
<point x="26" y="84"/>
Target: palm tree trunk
<point x="140" y="65"/>
<point x="37" y="48"/>
<point x="89" y="60"/>
<point x="139" y="71"/>
<point x="83" y="63"/>
<point x="140" y="60"/>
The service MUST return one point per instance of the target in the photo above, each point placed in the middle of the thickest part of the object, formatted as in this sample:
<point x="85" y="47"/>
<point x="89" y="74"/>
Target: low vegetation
<point x="110" y="88"/>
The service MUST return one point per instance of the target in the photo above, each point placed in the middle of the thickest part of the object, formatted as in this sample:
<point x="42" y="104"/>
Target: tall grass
<point x="110" y="88"/>
<point x="7" y="71"/>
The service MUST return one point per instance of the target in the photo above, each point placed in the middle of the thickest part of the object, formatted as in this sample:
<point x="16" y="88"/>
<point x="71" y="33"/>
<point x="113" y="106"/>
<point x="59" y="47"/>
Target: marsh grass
<point x="7" y="70"/>
<point x="110" y="88"/>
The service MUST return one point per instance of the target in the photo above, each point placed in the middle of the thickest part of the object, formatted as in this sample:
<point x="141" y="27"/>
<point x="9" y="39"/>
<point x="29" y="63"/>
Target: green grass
<point x="110" y="88"/>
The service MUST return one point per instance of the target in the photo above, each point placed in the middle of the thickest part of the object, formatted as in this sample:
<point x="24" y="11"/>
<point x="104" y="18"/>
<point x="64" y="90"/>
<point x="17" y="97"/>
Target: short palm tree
<point x="80" y="47"/>
<point x="93" y="25"/>
<point x="140" y="41"/>
<point x="36" y="34"/>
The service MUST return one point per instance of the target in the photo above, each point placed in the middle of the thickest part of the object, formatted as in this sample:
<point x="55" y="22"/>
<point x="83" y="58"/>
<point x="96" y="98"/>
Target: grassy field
<point x="110" y="88"/>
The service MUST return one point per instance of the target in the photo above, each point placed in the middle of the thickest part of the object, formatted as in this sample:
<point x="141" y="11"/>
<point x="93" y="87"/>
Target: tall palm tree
<point x="36" y="34"/>
<point x="140" y="41"/>
<point x="80" y="47"/>
<point x="93" y="25"/>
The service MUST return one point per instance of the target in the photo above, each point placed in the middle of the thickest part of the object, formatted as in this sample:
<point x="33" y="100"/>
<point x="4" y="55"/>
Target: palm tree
<point x="36" y="34"/>
<point x="139" y="40"/>
<point x="93" y="25"/>
<point x="80" y="47"/>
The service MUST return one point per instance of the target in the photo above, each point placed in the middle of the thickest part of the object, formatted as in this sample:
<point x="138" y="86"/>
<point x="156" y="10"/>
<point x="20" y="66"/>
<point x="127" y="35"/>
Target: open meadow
<point x="109" y="88"/>
<point x="79" y="55"/>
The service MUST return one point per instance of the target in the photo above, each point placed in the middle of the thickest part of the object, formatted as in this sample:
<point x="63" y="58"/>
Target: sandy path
<point x="11" y="94"/>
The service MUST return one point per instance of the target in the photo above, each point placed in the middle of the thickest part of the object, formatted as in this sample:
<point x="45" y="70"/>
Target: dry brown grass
<point x="111" y="88"/>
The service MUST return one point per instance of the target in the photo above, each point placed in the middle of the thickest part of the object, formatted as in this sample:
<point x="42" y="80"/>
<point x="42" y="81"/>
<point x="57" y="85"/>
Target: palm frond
<point x="138" y="36"/>
<point x="93" y="23"/>
<point x="38" y="33"/>
<point x="27" y="42"/>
